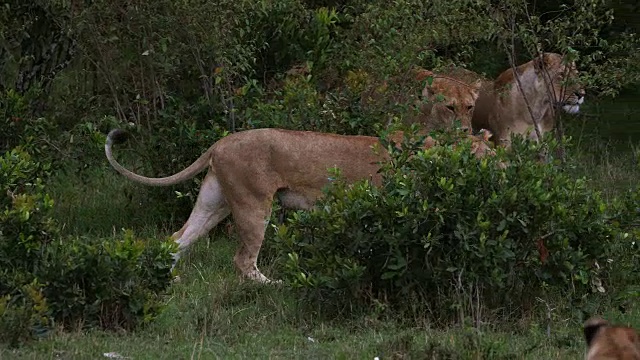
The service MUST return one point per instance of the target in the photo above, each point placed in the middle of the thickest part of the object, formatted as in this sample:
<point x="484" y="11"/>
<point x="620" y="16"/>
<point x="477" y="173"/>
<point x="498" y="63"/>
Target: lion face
<point x="448" y="100"/>
<point x="573" y="92"/>
<point x="567" y="89"/>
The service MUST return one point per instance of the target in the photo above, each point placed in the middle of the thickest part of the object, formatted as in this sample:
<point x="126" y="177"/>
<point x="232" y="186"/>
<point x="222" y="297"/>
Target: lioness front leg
<point x="210" y="208"/>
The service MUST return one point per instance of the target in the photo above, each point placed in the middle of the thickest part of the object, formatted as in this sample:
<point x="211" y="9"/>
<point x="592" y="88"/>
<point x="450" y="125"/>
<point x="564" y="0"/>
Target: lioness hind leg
<point x="210" y="208"/>
<point x="251" y="226"/>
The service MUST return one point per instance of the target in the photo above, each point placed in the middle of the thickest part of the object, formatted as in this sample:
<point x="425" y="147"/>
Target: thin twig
<point x="524" y="96"/>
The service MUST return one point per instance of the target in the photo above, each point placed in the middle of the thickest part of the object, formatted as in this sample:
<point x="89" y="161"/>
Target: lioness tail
<point x="119" y="136"/>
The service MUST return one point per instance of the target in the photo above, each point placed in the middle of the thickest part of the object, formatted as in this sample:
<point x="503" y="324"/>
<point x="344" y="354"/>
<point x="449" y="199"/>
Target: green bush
<point x="45" y="279"/>
<point x="23" y="314"/>
<point x="446" y="230"/>
<point x="298" y="105"/>
<point x="12" y="109"/>
<point x="18" y="124"/>
<point x="112" y="284"/>
<point x="25" y="224"/>
<point x="25" y="229"/>
<point x="625" y="252"/>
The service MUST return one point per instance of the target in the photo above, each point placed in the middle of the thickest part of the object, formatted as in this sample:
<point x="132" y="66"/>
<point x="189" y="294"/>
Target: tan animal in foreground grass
<point x="608" y="342"/>
<point x="502" y="109"/>
<point x="247" y="169"/>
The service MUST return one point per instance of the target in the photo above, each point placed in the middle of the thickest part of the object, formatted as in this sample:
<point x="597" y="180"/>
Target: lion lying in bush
<point x="546" y="81"/>
<point x="247" y="169"/>
<point x="448" y="97"/>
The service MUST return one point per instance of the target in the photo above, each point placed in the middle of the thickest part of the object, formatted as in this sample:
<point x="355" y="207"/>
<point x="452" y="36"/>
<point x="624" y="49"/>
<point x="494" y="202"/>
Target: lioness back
<point x="608" y="342"/>
<point x="271" y="152"/>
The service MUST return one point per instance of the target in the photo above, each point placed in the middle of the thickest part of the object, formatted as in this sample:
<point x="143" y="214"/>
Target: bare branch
<point x="512" y="62"/>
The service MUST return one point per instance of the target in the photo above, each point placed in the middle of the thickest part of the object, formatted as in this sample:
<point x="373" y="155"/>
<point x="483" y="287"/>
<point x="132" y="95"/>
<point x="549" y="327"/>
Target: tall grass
<point x="606" y="150"/>
<point x="98" y="201"/>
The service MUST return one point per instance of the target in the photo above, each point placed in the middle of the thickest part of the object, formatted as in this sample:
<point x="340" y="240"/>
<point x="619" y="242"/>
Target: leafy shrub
<point x="23" y="314"/>
<point x="446" y="229"/>
<point x="44" y="279"/>
<point x="625" y="252"/>
<point x="108" y="283"/>
<point x="168" y="150"/>
<point x="26" y="226"/>
<point x="18" y="124"/>
<point x="25" y="229"/>
<point x="12" y="108"/>
<point x="298" y="105"/>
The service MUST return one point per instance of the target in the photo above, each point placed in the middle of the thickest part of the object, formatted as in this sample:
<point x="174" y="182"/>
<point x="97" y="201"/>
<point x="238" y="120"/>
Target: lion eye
<point x="450" y="107"/>
<point x="470" y="107"/>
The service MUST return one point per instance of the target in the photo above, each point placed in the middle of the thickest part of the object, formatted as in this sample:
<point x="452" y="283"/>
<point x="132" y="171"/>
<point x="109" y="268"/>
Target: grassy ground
<point x="605" y="142"/>
<point x="211" y="314"/>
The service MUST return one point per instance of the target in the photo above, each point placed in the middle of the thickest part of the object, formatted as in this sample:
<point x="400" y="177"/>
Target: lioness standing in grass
<point x="247" y="169"/>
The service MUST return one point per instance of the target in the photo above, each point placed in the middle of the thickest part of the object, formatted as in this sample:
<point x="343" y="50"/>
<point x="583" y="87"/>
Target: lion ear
<point x="422" y="74"/>
<point x="541" y="61"/>
<point x="486" y="134"/>
<point x="591" y="328"/>
<point x="477" y="84"/>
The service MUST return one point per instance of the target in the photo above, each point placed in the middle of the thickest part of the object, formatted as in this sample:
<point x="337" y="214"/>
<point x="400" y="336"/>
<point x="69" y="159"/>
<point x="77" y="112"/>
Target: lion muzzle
<point x="572" y="104"/>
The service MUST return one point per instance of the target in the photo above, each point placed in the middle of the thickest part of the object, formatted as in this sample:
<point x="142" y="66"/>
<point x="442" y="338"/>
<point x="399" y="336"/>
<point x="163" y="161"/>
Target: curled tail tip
<point x="595" y="321"/>
<point x="117" y="136"/>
